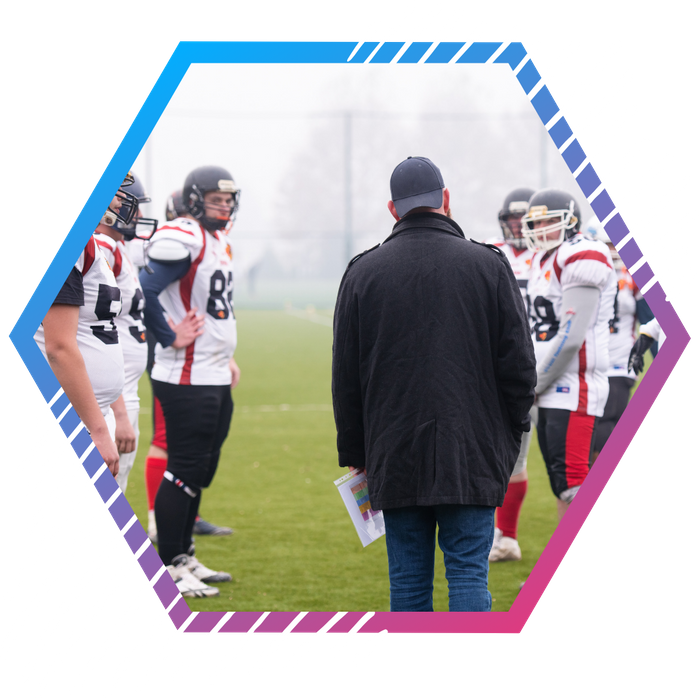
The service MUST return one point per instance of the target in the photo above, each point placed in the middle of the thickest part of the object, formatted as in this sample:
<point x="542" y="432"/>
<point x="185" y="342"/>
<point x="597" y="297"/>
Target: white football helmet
<point x="550" y="204"/>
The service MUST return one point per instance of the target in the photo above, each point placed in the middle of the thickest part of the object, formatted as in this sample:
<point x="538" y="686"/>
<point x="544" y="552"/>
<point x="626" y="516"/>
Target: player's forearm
<point x="580" y="304"/>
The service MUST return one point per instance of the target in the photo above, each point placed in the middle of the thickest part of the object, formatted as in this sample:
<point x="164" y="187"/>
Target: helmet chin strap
<point x="109" y="218"/>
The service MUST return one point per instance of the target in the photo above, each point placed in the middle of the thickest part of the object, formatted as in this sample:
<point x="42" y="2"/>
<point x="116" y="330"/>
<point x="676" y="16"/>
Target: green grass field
<point x="294" y="546"/>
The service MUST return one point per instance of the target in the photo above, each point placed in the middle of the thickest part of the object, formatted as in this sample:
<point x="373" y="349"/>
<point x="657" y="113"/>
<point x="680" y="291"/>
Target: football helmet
<point x="129" y="204"/>
<point x="550" y="204"/>
<point x="515" y="204"/>
<point x="209" y="178"/>
<point x="129" y="230"/>
<point x="594" y="229"/>
<point x="174" y="207"/>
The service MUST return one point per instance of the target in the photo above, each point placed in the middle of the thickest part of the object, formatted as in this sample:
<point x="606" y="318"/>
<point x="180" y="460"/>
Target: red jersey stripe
<point x="582" y="385"/>
<point x="176" y="228"/>
<point x="89" y="256"/>
<point x="588" y="255"/>
<point x="186" y="284"/>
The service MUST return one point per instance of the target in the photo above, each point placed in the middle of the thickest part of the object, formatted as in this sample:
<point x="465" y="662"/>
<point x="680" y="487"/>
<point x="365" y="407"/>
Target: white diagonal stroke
<point x="164" y="653"/>
<point x="41" y="474"/>
<point x="339" y="645"/>
<point x="43" y="412"/>
<point x="599" y="107"/>
<point x="555" y="66"/>
<point x="44" y="542"/>
<point x="592" y="76"/>
<point x="610" y="132"/>
<point x="476" y="33"/>
<point x="447" y="27"/>
<point x="100" y="654"/>
<point x="395" y="26"/>
<point x="513" y="34"/>
<point x="687" y="277"/>
<point x="664" y="240"/>
<point x="534" y="49"/>
<point x="621" y="164"/>
<point x="366" y="34"/>
<point x="53" y="497"/>
<point x="197" y="651"/>
<point x="309" y="644"/>
<point x="369" y="647"/>
<point x="272" y="647"/>
<point x="137" y="649"/>
<point x="86" y="619"/>
<point x="421" y="28"/>
<point x="231" y="656"/>
<point x="40" y="442"/>
<point x="679" y="253"/>
<point x="69" y="600"/>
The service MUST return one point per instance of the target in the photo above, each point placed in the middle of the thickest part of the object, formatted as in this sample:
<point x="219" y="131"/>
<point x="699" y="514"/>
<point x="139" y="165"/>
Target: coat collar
<point x="423" y="220"/>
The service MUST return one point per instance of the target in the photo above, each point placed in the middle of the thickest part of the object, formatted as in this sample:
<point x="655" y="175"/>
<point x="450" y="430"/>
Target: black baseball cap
<point x="416" y="182"/>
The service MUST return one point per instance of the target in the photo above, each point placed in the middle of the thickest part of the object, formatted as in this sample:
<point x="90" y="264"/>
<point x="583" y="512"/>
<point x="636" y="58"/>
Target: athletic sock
<point x="155" y="468"/>
<point x="507" y="516"/>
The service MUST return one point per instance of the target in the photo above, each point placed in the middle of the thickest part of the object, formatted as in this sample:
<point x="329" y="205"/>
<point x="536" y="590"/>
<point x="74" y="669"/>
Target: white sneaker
<point x="497" y="534"/>
<point x="204" y="573"/>
<point x="507" y="549"/>
<point x="188" y="585"/>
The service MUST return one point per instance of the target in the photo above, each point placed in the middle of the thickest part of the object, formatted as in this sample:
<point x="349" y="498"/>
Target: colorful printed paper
<point x="353" y="490"/>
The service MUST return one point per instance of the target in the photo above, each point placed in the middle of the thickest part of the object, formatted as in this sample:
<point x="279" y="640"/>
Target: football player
<point x="129" y="322"/>
<point x="513" y="246"/>
<point x="571" y="292"/>
<point x="157" y="457"/>
<point x="80" y="340"/>
<point x="192" y="272"/>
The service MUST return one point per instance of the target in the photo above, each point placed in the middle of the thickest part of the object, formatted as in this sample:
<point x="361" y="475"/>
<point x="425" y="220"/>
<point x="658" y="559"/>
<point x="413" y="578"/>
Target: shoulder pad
<point x="489" y="245"/>
<point x="168" y="250"/>
<point x="359" y="255"/>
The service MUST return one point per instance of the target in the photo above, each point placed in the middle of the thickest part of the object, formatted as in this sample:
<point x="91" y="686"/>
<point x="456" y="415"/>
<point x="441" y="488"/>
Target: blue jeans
<point x="465" y="536"/>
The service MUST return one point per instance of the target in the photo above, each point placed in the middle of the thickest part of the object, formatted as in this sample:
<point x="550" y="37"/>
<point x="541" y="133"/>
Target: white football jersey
<point x="622" y="324"/>
<point x="520" y="262"/>
<point x="208" y="287"/>
<point x="578" y="262"/>
<point x="132" y="332"/>
<point x="98" y="338"/>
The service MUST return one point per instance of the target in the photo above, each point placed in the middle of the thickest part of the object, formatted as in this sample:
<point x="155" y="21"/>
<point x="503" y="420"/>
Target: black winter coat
<point x="433" y="367"/>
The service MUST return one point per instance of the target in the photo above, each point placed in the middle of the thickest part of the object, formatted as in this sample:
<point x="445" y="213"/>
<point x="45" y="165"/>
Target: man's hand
<point x="636" y="358"/>
<point x="235" y="373"/>
<point x="124" y="435"/>
<point x="191" y="327"/>
<point x="106" y="447"/>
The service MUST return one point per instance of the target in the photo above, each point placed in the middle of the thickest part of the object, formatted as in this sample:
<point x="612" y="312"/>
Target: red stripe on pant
<point x="579" y="434"/>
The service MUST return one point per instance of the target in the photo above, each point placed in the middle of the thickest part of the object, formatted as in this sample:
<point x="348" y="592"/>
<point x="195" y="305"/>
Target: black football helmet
<point x="175" y="207"/>
<point x="129" y="204"/>
<point x="515" y="204"/>
<point x="131" y="230"/>
<point x="550" y="204"/>
<point x="209" y="178"/>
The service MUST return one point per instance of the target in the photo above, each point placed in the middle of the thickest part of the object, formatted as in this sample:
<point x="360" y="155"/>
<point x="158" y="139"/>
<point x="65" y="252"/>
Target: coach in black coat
<point x="433" y="364"/>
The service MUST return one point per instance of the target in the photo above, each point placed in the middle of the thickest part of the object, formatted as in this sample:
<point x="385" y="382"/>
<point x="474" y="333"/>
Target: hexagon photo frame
<point x="100" y="490"/>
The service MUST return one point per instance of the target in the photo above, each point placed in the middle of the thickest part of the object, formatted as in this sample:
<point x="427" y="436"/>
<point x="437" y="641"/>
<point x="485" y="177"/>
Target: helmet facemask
<point x="507" y="220"/>
<point x="197" y="207"/>
<point x="538" y="239"/>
